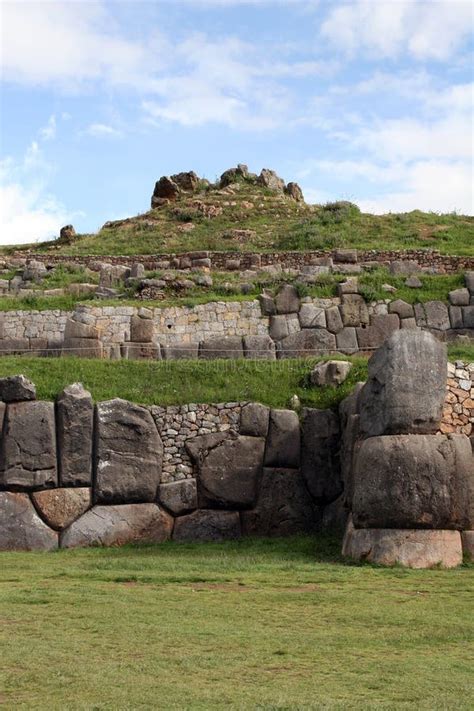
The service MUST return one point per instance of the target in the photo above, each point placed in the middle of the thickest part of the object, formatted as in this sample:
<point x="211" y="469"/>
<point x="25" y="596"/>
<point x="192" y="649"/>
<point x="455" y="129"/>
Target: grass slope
<point x="275" y="223"/>
<point x="280" y="624"/>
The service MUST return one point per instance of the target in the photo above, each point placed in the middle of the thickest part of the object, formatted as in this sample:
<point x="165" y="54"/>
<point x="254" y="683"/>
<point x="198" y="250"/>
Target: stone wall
<point x="280" y="327"/>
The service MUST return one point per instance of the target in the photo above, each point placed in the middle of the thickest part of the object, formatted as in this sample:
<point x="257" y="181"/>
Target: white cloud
<point x="103" y="130"/>
<point x="424" y="29"/>
<point x="48" y="132"/>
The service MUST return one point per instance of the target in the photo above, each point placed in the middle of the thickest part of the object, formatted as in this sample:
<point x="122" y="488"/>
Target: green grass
<point x="280" y="624"/>
<point x="180" y="382"/>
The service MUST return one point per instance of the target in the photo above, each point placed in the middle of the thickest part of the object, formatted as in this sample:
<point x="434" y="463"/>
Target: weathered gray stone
<point x="331" y="372"/>
<point x="282" y="325"/>
<point x="20" y="526"/>
<point x="254" y="419"/>
<point x="459" y="297"/>
<point x="207" y="525"/>
<point x="283" y="440"/>
<point x="345" y="255"/>
<point x="76" y="329"/>
<point x="140" y="351"/>
<point x="16" y="388"/>
<point x="221" y="347"/>
<point x="468" y="316"/>
<point x="180" y="351"/>
<point x="229" y="469"/>
<point x="402" y="308"/>
<point x="312" y="316"/>
<point x="433" y="314"/>
<point x="295" y="192"/>
<point x="406" y="385"/>
<point x="408" y="323"/>
<point x="308" y="342"/>
<point x="353" y="310"/>
<point x="469" y="280"/>
<point x="269" y="179"/>
<point x="412" y="549"/>
<point x="141" y="330"/>
<point x="82" y="347"/>
<point x="287" y="300"/>
<point x="75" y="416"/>
<point x="259" y="348"/>
<point x="334" y="517"/>
<point x="467" y="538"/>
<point x="118" y="525"/>
<point x="28" y="448"/>
<point x="333" y="319"/>
<point x="128" y="453"/>
<point x="267" y="304"/>
<point x="15" y="346"/>
<point x="60" y="507"/>
<point x="349" y="443"/>
<point x="455" y="317"/>
<point x="414" y="481"/>
<point x="179" y="497"/>
<point x="350" y="286"/>
<point x="320" y="462"/>
<point x="346" y="340"/>
<point x="402" y="267"/>
<point x="381" y="327"/>
<point x="165" y="188"/>
<point x="284" y="506"/>
<point x="413" y="282"/>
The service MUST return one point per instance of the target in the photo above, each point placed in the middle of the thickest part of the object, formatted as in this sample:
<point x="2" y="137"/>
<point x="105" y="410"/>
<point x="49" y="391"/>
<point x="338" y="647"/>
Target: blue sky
<point x="369" y="100"/>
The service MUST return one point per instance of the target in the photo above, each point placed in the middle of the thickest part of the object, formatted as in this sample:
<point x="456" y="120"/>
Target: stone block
<point x="282" y="325"/>
<point x="222" y="347"/>
<point x="76" y="329"/>
<point x="119" y="525"/>
<point x="284" y="506"/>
<point x="411" y="549"/>
<point x="408" y="323"/>
<point x="16" y="388"/>
<point x="21" y="529"/>
<point x="331" y="372"/>
<point x="267" y="304"/>
<point x="254" y="420"/>
<point x="228" y="469"/>
<point x="459" y="297"/>
<point x="350" y="286"/>
<point x="345" y="255"/>
<point x="140" y="351"/>
<point x="180" y="351"/>
<point x="287" y="300"/>
<point x="14" y="346"/>
<point x="179" y="497"/>
<point x="60" y="507"/>
<point x="333" y="319"/>
<point x="354" y="311"/>
<point x="469" y="281"/>
<point x="207" y="525"/>
<point x="346" y="340"/>
<point x="204" y="262"/>
<point x="141" y="329"/>
<point x="75" y="417"/>
<point x="433" y="315"/>
<point x="404" y="267"/>
<point x="406" y="385"/>
<point x="128" y="453"/>
<point x="468" y="316"/>
<point x="414" y="481"/>
<point x="283" y="440"/>
<point x="28" y="447"/>
<point x="82" y="347"/>
<point x="334" y="517"/>
<point x="312" y="316"/>
<point x="259" y="348"/>
<point x="467" y="538"/>
<point x="381" y="327"/>
<point x="455" y="317"/>
<point x="320" y="462"/>
<point x="402" y="308"/>
<point x="306" y="343"/>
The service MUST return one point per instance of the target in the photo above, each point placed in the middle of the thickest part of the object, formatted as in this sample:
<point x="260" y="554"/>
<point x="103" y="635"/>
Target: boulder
<point x="306" y="343"/>
<point x="333" y="319"/>
<point x="294" y="191"/>
<point x="287" y="300"/>
<point x="28" y="448"/>
<point x="67" y="234"/>
<point x="459" y="297"/>
<point x="128" y="453"/>
<point x="413" y="282"/>
<point x="406" y="385"/>
<point x="187" y="181"/>
<point x="412" y="549"/>
<point x="267" y="304"/>
<point x="381" y="327"/>
<point x="331" y="372"/>
<point x="228" y="469"/>
<point x="283" y="440"/>
<point x="75" y="416"/>
<point x="179" y="497"/>
<point x="269" y="179"/>
<point x="60" y="507"/>
<point x="119" y="525"/>
<point x="221" y="347"/>
<point x="312" y="316"/>
<point x="259" y="348"/>
<point x="284" y="506"/>
<point x="233" y="175"/>
<point x="320" y="462"/>
<point x="16" y="388"/>
<point x="165" y="188"/>
<point x="21" y="529"/>
<point x="141" y="329"/>
<point x="404" y="267"/>
<point x="346" y="340"/>
<point x="402" y="308"/>
<point x="345" y="255"/>
<point x="254" y="419"/>
<point x="207" y="525"/>
<point x="414" y="481"/>
<point x="283" y="325"/>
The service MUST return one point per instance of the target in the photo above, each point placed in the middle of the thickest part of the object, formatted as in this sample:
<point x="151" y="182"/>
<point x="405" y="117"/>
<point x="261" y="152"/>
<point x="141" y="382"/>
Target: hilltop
<point x="244" y="212"/>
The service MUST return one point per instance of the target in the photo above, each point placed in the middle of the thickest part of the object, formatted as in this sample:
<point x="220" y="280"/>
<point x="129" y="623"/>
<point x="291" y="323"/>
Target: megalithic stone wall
<point x="408" y="486"/>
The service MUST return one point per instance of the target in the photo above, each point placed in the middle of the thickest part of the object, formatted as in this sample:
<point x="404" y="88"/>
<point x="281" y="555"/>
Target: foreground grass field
<point x="281" y="624"/>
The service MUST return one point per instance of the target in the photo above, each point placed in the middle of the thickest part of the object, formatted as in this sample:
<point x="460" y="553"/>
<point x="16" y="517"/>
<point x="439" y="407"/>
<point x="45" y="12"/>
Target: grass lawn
<point x="280" y="624"/>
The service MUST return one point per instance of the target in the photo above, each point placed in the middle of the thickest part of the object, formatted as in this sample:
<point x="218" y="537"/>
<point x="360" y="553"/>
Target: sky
<point x="369" y="101"/>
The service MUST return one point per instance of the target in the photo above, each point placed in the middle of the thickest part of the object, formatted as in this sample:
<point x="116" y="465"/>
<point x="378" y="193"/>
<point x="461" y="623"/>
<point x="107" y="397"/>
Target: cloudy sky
<point x="368" y="100"/>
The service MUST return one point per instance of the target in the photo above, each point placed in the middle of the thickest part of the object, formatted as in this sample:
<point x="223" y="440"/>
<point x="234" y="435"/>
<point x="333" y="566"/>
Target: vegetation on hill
<point x="246" y="217"/>
<point x="250" y="624"/>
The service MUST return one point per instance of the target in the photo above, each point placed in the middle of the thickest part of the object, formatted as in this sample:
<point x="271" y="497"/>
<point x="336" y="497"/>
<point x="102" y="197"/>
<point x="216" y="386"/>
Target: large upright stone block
<point x="406" y="386"/>
<point x="414" y="481"/>
<point x="320" y="465"/>
<point x="28" y="449"/>
<point x="21" y="529"/>
<point x="283" y="440"/>
<point x="306" y="343"/>
<point x="128" y="453"/>
<point x="75" y="416"/>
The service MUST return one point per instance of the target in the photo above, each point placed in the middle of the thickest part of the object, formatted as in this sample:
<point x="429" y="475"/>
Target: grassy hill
<point x="247" y="217"/>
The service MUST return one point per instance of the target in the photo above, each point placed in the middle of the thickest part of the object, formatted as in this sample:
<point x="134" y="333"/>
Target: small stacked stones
<point x="176" y="424"/>
<point x="458" y="411"/>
